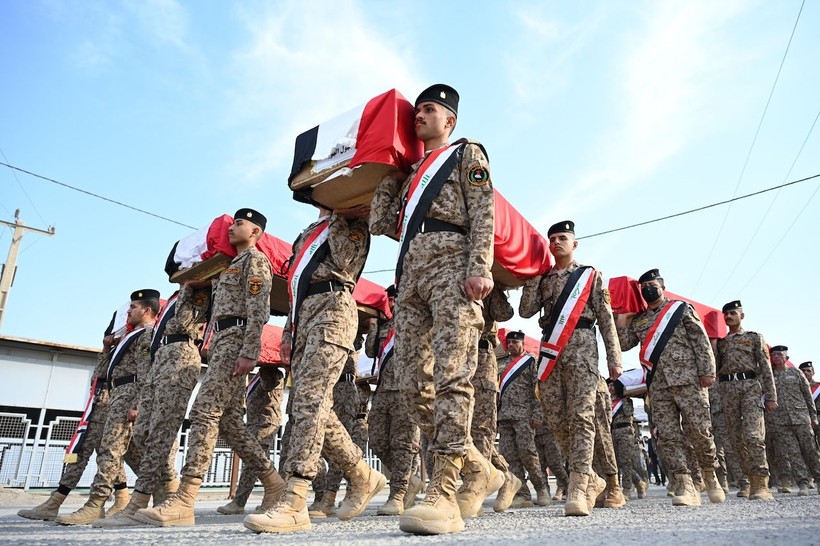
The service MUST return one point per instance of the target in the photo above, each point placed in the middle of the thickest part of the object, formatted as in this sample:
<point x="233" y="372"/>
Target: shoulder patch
<point x="478" y="176"/>
<point x="355" y="235"/>
<point x="255" y="285"/>
<point x="200" y="299"/>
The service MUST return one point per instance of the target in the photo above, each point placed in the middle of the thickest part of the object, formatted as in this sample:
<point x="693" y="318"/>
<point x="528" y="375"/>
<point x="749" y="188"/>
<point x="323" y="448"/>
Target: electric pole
<point x="10" y="267"/>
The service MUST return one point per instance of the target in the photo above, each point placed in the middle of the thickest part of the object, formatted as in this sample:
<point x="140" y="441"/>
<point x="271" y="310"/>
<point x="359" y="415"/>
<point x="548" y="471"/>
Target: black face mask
<point x="650" y="293"/>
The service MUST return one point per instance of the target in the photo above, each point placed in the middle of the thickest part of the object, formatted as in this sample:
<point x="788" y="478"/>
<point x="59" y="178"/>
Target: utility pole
<point x="10" y="267"/>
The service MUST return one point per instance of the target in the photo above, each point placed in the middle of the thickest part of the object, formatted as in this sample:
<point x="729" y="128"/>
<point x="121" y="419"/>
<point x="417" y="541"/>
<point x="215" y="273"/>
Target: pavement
<point x="786" y="520"/>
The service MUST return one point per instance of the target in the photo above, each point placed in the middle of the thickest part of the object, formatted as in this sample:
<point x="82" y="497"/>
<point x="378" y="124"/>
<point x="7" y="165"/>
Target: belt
<point x="325" y="286"/>
<point x="120" y="381"/>
<point x="585" y="323"/>
<point x="173" y="338"/>
<point x="347" y="378"/>
<point x="737" y="376"/>
<point x="483" y="343"/>
<point x="227" y="322"/>
<point x="621" y="425"/>
<point x="430" y="225"/>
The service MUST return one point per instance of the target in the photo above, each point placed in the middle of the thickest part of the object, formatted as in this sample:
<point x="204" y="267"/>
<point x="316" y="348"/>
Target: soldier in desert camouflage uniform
<point x="729" y="468"/>
<point x="550" y="456"/>
<point x="604" y="461"/>
<point x="569" y="393"/>
<point x="808" y="370"/>
<point x="627" y="450"/>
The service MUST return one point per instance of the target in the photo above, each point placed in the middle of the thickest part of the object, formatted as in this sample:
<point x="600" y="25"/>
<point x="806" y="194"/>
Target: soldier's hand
<point x="243" y="366"/>
<point x="284" y="352"/>
<point x="706" y="381"/>
<point x="131" y="415"/>
<point x="535" y="424"/>
<point x="359" y="211"/>
<point x="614" y="373"/>
<point x="477" y="288"/>
<point x="770" y="405"/>
<point x="622" y="320"/>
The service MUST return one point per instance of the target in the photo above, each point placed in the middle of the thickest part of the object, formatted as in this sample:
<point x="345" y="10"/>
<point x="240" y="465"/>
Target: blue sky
<point x="606" y="113"/>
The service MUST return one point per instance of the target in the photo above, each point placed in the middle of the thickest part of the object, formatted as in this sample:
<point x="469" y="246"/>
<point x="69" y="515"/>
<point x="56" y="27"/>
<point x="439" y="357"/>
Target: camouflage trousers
<point x="728" y="461"/>
<point x="568" y="398"/>
<point x="316" y="365"/>
<point x="360" y="432"/>
<point x="778" y="459"/>
<point x="264" y="415"/>
<point x="550" y="456"/>
<point x="604" y="461"/>
<point x="346" y="407"/>
<point x="175" y="372"/>
<point x="392" y="437"/>
<point x="627" y="453"/>
<point x="115" y="445"/>
<point x="743" y="411"/>
<point x="797" y="442"/>
<point x="682" y="417"/>
<point x="484" y="426"/>
<point x="73" y="472"/>
<point x="516" y="443"/>
<point x="219" y="410"/>
<point x="436" y="347"/>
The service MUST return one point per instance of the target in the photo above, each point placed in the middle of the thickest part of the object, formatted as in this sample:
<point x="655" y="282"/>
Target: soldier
<point x="680" y="364"/>
<point x="745" y="377"/>
<point x="128" y="370"/>
<point x="263" y="399"/>
<point x="318" y="338"/>
<point x="519" y="414"/>
<point x="241" y="307"/>
<point x="627" y="450"/>
<point x="443" y="272"/>
<point x="793" y="420"/>
<point x="550" y="456"/>
<point x="573" y="298"/>
<point x="604" y="461"/>
<point x="808" y="370"/>
<point x="391" y="436"/>
<point x="729" y="469"/>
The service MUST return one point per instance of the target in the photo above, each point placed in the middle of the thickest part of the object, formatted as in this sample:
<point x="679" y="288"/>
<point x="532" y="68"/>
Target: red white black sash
<point x="165" y="316"/>
<point x="564" y="317"/>
<point x="252" y="384"/>
<point x="815" y="391"/>
<point x="73" y="447"/>
<point x="310" y="255"/>
<point x="386" y="350"/>
<point x="511" y="371"/>
<point x="617" y="404"/>
<point x="119" y="351"/>
<point x="659" y="334"/>
<point x="424" y="188"/>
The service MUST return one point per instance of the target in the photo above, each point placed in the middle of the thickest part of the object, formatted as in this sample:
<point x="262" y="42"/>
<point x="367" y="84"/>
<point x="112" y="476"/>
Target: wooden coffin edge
<point x="204" y="270"/>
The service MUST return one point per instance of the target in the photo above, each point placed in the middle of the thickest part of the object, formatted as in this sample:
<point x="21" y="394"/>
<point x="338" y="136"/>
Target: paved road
<point x="787" y="520"/>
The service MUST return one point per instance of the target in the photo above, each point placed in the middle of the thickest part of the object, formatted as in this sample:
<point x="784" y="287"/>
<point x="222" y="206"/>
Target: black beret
<point x="780" y="348"/>
<point x="391" y="290"/>
<point x="519" y="335"/>
<point x="565" y="226"/>
<point x="145" y="294"/>
<point x="619" y="388"/>
<point x="251" y="216"/>
<point x="650" y="275"/>
<point x="442" y="94"/>
<point x="806" y="366"/>
<point x="732" y="305"/>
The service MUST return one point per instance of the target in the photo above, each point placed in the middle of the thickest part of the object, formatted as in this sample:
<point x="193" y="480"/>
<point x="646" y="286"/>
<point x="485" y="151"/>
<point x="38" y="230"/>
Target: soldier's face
<point x="391" y="302"/>
<point x="779" y="358"/>
<point x="432" y="121"/>
<point x="733" y="317"/>
<point x="515" y="347"/>
<point x="136" y="312"/>
<point x="562" y="244"/>
<point x="808" y="373"/>
<point x="240" y="231"/>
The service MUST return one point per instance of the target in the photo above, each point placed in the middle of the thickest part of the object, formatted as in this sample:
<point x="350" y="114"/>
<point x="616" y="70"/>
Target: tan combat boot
<point x="577" y="495"/>
<point x="803" y="490"/>
<point x="596" y="486"/>
<point x="164" y="491"/>
<point x="414" y="486"/>
<point x="759" y="489"/>
<point x="125" y="518"/>
<point x="685" y="492"/>
<point x="641" y="488"/>
<point x="289" y="514"/>
<point x="394" y="505"/>
<point x="274" y="488"/>
<point x="326" y="507"/>
<point x="713" y="487"/>
<point x="523" y="498"/>
<point x="121" y="499"/>
<point x="92" y="510"/>
<point x="480" y="480"/>
<point x="744" y="489"/>
<point x="543" y="497"/>
<point x="560" y="492"/>
<point x="363" y="483"/>
<point x="629" y="494"/>
<point x="231" y="509"/>
<point x="786" y="487"/>
<point x="48" y="511"/>
<point x="439" y="512"/>
<point x="613" y="497"/>
<point x="505" y="495"/>
<point x="177" y="511"/>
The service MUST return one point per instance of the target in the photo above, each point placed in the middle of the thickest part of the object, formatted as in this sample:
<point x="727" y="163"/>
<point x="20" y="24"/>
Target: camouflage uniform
<point x="327" y="324"/>
<point x="174" y="375"/>
<point x="346" y="407"/>
<point x="675" y="393"/>
<point x="627" y="451"/>
<point x="745" y="352"/>
<point x="728" y="462"/>
<point x="568" y="395"/>
<point x="550" y="456"/>
<point x="518" y="409"/>
<point x="243" y="291"/>
<point x="604" y="460"/>
<point x="792" y="422"/>
<point x="437" y="325"/>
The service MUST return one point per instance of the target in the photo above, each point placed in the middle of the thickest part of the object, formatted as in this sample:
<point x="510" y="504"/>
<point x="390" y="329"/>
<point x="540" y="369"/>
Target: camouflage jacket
<point x="794" y="403"/>
<point x="746" y="351"/>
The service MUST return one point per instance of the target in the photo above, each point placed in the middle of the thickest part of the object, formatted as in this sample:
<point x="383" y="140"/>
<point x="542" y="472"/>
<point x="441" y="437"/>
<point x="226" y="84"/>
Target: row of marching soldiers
<point x="443" y="366"/>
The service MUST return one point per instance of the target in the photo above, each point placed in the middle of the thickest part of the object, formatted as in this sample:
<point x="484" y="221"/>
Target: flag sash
<point x="167" y="314"/>
<point x="252" y="384"/>
<point x="386" y="350"/>
<point x="659" y="334"/>
<point x="311" y="253"/>
<point x="78" y="438"/>
<point x="815" y="391"/>
<point x="120" y="349"/>
<point x="617" y="404"/>
<point x="511" y="371"/>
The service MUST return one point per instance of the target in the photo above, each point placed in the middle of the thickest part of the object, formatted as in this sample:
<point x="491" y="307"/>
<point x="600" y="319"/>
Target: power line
<point x="47" y="179"/>
<point x="24" y="190"/>
<point x="749" y="154"/>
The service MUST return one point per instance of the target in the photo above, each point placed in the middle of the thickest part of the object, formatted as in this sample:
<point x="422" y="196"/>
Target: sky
<point x="607" y="113"/>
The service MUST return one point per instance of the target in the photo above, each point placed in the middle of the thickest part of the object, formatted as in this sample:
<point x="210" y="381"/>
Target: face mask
<point x="650" y="293"/>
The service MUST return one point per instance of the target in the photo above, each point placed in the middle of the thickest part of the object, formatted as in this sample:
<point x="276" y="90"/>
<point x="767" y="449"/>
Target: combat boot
<point x="685" y="492"/>
<point x="125" y="518"/>
<point x="439" y="511"/>
<point x="613" y="497"/>
<point x="177" y="511"/>
<point x="165" y="490"/>
<point x="326" y="507"/>
<point x="289" y="514"/>
<point x="744" y="489"/>
<point x="505" y="495"/>
<point x="543" y="496"/>
<point x="560" y="491"/>
<point x="414" y="485"/>
<point x="92" y="510"/>
<point x="394" y="505"/>
<point x="47" y="511"/>
<point x="363" y="483"/>
<point x="713" y="488"/>
<point x="121" y="499"/>
<point x="641" y="488"/>
<point x="759" y="489"/>
<point x="274" y="487"/>
<point x="628" y="492"/>
<point x="803" y="490"/>
<point x="231" y="509"/>
<point x="480" y="480"/>
<point x="577" y="495"/>
<point x="595" y="490"/>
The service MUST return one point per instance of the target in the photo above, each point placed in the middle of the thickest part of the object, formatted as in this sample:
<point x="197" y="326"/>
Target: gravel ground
<point x="787" y="520"/>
